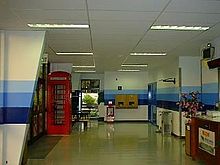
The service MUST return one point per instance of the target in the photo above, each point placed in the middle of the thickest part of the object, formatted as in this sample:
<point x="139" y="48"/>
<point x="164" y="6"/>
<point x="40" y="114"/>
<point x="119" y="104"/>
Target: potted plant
<point x="190" y="104"/>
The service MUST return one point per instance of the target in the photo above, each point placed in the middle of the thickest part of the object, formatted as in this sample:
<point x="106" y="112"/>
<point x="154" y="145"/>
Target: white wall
<point x="128" y="80"/>
<point x="190" y="69"/>
<point x="66" y="67"/>
<point x="75" y="81"/>
<point x="140" y="114"/>
<point x="21" y="54"/>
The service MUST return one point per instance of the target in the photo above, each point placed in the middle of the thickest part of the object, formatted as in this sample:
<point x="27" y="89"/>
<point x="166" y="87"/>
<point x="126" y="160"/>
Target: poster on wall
<point x="207" y="140"/>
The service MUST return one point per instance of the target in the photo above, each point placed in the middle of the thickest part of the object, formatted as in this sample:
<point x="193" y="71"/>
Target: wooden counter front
<point x="205" y="140"/>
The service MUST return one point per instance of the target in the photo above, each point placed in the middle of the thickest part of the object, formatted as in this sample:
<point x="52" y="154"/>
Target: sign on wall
<point x="207" y="140"/>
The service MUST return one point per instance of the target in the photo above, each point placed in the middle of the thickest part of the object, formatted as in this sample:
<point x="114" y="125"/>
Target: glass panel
<point x="59" y="107"/>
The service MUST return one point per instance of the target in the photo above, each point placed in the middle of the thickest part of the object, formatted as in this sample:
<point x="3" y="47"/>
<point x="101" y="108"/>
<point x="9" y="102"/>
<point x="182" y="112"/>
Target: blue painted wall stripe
<point x="210" y="88"/>
<point x="168" y="97"/>
<point x="13" y="115"/>
<point x="18" y="99"/>
<point x="189" y="89"/>
<point x="14" y="86"/>
<point x="209" y="98"/>
<point x="1" y="99"/>
<point x="167" y="90"/>
<point x="1" y="116"/>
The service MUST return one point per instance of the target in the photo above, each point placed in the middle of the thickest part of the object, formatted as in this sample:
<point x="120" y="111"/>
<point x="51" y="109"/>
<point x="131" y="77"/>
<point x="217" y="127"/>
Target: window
<point x="90" y="85"/>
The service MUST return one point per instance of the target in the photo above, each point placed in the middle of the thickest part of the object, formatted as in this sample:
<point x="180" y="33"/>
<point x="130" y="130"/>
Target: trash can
<point x="166" y="122"/>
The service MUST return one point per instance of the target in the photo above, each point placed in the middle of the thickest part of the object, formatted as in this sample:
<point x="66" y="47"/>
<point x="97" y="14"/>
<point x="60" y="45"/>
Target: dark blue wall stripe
<point x="1" y="116"/>
<point x="168" y="97"/>
<point x="16" y="115"/>
<point x="209" y="98"/>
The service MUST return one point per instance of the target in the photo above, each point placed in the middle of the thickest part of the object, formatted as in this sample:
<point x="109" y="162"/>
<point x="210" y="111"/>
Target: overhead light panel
<point x="148" y="54"/>
<point x="58" y="26"/>
<point x="86" y="66"/>
<point x="75" y="53"/>
<point x="134" y="65"/>
<point x="85" y="71"/>
<point x="129" y="70"/>
<point x="182" y="28"/>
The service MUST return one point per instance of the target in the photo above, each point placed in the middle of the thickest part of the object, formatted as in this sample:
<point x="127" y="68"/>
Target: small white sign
<point x="207" y="140"/>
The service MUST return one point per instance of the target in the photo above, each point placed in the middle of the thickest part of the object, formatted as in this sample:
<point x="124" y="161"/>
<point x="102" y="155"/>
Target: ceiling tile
<point x="47" y="4"/>
<point x="131" y="5"/>
<point x="194" y="6"/>
<point x="119" y="27"/>
<point x="52" y="16"/>
<point x="190" y="19"/>
<point x="122" y="16"/>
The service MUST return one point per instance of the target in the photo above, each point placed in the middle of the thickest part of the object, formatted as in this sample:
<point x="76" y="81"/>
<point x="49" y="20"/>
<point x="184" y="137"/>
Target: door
<point x="152" y="102"/>
<point x="58" y="109"/>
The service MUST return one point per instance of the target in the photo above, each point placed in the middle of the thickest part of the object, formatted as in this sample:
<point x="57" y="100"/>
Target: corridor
<point x="116" y="144"/>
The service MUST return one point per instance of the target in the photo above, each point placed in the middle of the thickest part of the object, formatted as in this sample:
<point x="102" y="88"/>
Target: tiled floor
<point x="117" y="144"/>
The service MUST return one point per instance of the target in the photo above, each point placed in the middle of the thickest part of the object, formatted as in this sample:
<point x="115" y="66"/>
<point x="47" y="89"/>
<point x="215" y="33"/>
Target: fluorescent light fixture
<point x="134" y="65"/>
<point x="59" y="26"/>
<point x="86" y="66"/>
<point x="183" y="28"/>
<point x="85" y="71"/>
<point x="129" y="70"/>
<point x="75" y="53"/>
<point x="148" y="54"/>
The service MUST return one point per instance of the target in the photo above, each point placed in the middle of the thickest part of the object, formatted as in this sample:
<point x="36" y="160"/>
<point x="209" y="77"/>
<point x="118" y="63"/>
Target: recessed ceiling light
<point x="148" y="54"/>
<point x="85" y="71"/>
<point x="75" y="53"/>
<point x="59" y="26"/>
<point x="129" y="70"/>
<point x="134" y="65"/>
<point x="183" y="28"/>
<point x="86" y="66"/>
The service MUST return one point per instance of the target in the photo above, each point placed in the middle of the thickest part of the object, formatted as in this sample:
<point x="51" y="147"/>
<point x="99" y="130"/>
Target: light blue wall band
<point x="210" y="88"/>
<point x="189" y="89"/>
<point x="15" y="86"/>
<point x="167" y="90"/>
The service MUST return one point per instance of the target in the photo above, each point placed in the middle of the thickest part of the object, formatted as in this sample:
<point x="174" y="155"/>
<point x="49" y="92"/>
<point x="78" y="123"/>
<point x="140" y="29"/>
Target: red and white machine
<point x="59" y="116"/>
<point x="110" y="112"/>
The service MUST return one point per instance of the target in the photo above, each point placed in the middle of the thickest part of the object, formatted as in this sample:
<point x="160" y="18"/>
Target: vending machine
<point x="59" y="115"/>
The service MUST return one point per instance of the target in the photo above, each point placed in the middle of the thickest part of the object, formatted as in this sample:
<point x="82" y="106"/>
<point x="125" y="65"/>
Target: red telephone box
<point x="59" y="117"/>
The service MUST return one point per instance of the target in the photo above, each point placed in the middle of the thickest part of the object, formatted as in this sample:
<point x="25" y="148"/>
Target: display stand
<point x="110" y="113"/>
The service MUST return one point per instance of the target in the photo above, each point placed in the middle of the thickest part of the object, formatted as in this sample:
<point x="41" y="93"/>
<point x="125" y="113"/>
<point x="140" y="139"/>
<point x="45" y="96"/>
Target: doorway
<point x="152" y="102"/>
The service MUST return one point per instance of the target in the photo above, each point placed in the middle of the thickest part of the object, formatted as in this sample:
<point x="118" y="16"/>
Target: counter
<point x="205" y="139"/>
